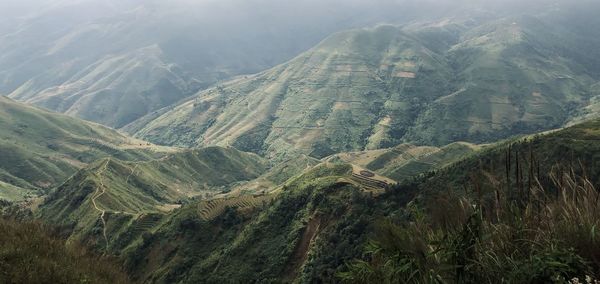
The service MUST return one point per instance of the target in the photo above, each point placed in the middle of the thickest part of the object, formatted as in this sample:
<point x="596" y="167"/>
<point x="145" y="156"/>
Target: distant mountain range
<point x="457" y="79"/>
<point x="450" y="144"/>
<point x="114" y="61"/>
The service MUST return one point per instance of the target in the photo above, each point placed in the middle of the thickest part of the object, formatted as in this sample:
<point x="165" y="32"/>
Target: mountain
<point x="40" y="149"/>
<point x="322" y="218"/>
<point x="458" y="142"/>
<point x="407" y="161"/>
<point x="117" y="89"/>
<point x="458" y="79"/>
<point x="115" y="61"/>
<point x="266" y="241"/>
<point x="305" y="228"/>
<point x="102" y="200"/>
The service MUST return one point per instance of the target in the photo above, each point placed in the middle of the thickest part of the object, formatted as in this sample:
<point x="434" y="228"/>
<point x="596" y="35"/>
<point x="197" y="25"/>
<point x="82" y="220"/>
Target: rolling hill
<point x="306" y="229"/>
<point x="115" y="61"/>
<point x="116" y="89"/>
<point x="407" y="161"/>
<point x="107" y="197"/>
<point x="459" y="149"/>
<point x="321" y="219"/>
<point x="40" y="149"/>
<point x="457" y="79"/>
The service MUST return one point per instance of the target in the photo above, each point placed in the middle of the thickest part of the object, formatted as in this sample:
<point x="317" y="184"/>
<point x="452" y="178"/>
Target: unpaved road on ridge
<point x="98" y="194"/>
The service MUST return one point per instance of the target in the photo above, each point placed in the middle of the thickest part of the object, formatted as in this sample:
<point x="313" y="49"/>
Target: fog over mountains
<point x="309" y="141"/>
<point x="92" y="58"/>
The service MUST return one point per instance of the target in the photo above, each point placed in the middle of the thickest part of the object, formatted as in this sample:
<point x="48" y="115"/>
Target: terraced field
<point x="406" y="160"/>
<point x="40" y="150"/>
<point x="144" y="223"/>
<point x="210" y="209"/>
<point x="370" y="182"/>
<point x="375" y="88"/>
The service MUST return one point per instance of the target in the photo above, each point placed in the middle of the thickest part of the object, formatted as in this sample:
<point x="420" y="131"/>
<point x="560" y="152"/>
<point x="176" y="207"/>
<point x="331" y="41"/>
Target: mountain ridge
<point x="375" y="88"/>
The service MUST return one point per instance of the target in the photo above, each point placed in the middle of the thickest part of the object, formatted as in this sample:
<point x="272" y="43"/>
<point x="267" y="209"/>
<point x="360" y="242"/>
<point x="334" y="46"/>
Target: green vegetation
<point x="427" y="84"/>
<point x="270" y="243"/>
<point x="312" y="222"/>
<point x="407" y="161"/>
<point x="313" y="200"/>
<point x="143" y="85"/>
<point x="33" y="253"/>
<point x="40" y="149"/>
<point x="103" y="200"/>
<point x="537" y="235"/>
<point x="114" y="63"/>
<point x="465" y="222"/>
<point x="521" y="212"/>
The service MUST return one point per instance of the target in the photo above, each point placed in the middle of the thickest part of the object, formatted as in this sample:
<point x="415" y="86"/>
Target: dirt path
<point x="132" y="172"/>
<point x="98" y="194"/>
<point x="302" y="248"/>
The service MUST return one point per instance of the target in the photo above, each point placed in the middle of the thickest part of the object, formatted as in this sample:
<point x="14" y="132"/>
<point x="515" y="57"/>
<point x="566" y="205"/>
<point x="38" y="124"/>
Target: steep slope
<point x="574" y="149"/>
<point x="320" y="219"/>
<point x="91" y="59"/>
<point x="516" y="76"/>
<point x="408" y="161"/>
<point x="265" y="244"/>
<point x="352" y="91"/>
<point x="431" y="84"/>
<point x="116" y="89"/>
<point x="49" y="258"/>
<point x="110" y="195"/>
<point x="40" y="149"/>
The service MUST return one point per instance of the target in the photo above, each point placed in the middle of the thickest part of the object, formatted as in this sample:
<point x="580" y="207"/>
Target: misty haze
<point x="308" y="141"/>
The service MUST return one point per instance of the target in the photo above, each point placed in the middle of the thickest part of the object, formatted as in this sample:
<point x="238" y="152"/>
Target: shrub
<point x="547" y="236"/>
<point x="30" y="252"/>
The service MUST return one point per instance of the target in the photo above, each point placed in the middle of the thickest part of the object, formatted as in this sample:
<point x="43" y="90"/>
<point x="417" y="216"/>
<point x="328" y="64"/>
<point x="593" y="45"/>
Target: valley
<point x="307" y="142"/>
<point x="376" y="88"/>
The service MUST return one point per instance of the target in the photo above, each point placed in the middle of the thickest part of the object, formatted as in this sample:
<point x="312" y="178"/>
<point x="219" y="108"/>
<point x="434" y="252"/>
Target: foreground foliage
<point x="31" y="253"/>
<point x="539" y="234"/>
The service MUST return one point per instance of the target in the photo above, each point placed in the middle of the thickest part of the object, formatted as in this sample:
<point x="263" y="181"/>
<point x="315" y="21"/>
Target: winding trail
<point x="132" y="172"/>
<point x="98" y="194"/>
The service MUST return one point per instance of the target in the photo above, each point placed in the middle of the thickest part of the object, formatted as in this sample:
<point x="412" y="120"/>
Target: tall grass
<point x="514" y="231"/>
<point x="31" y="253"/>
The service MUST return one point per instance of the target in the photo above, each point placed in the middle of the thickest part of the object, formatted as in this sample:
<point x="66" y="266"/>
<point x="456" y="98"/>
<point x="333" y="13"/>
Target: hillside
<point x="116" y="89"/>
<point x="115" y="61"/>
<point x="457" y="79"/>
<point x="408" y="161"/>
<point x="308" y="228"/>
<point x="108" y="196"/>
<point x="270" y="242"/>
<point x="322" y="219"/>
<point x="522" y="211"/>
<point x="40" y="149"/>
<point x="49" y="259"/>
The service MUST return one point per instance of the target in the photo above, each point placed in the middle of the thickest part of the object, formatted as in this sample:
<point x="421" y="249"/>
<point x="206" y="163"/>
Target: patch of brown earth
<point x="403" y="74"/>
<point x="302" y="248"/>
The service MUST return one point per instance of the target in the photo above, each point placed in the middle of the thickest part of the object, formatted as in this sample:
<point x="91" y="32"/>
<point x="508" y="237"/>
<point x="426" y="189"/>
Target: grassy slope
<point x="537" y="222"/>
<point x="329" y="99"/>
<point x="39" y="149"/>
<point x="516" y="75"/>
<point x="405" y="161"/>
<point x="319" y="221"/>
<point x="355" y="91"/>
<point x="567" y="148"/>
<point x="246" y="246"/>
<point x="155" y="54"/>
<point x="32" y="253"/>
<point x="116" y="90"/>
<point x="127" y="191"/>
